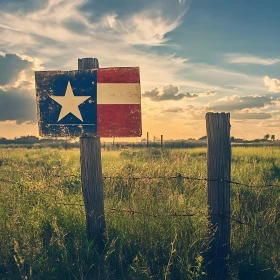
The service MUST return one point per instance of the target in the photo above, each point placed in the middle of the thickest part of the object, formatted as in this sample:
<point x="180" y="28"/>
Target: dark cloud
<point x="10" y="66"/>
<point x="17" y="105"/>
<point x="187" y="94"/>
<point x="22" y="5"/>
<point x="239" y="103"/>
<point x="168" y="92"/>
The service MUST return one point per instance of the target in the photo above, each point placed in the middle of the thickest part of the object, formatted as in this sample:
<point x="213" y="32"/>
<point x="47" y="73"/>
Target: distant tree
<point x="272" y="137"/>
<point x="266" y="137"/>
<point x="232" y="138"/>
<point x="3" y="140"/>
<point x="203" y="138"/>
<point x="29" y="139"/>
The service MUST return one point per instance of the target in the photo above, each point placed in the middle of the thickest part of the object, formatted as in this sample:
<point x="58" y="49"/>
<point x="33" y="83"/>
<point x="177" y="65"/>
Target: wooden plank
<point x="219" y="169"/>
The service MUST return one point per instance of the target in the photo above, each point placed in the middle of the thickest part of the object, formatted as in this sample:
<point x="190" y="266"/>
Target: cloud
<point x="232" y="87"/>
<point x="250" y="115"/>
<point x="235" y="102"/>
<point x="62" y="29"/>
<point x="272" y="84"/>
<point x="10" y="67"/>
<point x="54" y="34"/>
<point x="17" y="105"/>
<point x="62" y="21"/>
<point x="168" y="92"/>
<point x="249" y="59"/>
<point x="208" y="93"/>
<point x="145" y="28"/>
<point x="211" y="93"/>
<point x="17" y="89"/>
<point x="270" y="124"/>
<point x="173" y="110"/>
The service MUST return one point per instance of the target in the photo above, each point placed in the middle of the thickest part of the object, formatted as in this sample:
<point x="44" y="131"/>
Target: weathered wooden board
<point x="105" y="102"/>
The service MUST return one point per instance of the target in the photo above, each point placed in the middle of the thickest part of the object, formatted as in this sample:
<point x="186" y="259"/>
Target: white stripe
<point x="118" y="93"/>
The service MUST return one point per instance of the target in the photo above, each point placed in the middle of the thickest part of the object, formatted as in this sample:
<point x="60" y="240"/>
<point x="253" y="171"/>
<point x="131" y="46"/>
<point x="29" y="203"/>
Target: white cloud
<point x="272" y="84"/>
<point x="145" y="28"/>
<point x="250" y="59"/>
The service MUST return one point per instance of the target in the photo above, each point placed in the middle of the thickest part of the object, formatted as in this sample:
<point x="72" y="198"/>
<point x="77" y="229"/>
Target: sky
<point x="195" y="56"/>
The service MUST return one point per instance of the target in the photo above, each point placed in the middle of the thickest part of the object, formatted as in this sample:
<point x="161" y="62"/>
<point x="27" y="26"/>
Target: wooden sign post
<point x="219" y="167"/>
<point x="91" y="175"/>
<point x="90" y="103"/>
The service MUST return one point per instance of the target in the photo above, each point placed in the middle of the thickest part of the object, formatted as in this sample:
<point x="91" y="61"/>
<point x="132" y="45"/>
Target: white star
<point x="69" y="103"/>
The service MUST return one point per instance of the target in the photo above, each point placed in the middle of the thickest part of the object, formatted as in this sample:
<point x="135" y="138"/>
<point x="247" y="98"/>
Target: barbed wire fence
<point x="218" y="191"/>
<point x="177" y="176"/>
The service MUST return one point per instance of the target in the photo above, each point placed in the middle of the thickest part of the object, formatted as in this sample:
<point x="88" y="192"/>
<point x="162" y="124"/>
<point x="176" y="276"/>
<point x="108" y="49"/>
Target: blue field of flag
<point x="66" y="102"/>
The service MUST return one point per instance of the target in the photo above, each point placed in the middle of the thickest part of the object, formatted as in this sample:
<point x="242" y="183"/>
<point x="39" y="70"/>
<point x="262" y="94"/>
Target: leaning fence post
<point x="91" y="173"/>
<point x="219" y="166"/>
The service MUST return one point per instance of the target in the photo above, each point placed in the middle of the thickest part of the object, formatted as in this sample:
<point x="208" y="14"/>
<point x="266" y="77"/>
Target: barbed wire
<point x="174" y="215"/>
<point x="156" y="215"/>
<point x="178" y="176"/>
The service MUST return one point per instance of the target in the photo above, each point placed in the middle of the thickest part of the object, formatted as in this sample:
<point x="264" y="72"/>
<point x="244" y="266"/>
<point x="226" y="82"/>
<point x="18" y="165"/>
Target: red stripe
<point x="118" y="75"/>
<point x="119" y="120"/>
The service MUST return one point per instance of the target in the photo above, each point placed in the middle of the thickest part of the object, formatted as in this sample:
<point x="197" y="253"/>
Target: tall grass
<point x="42" y="225"/>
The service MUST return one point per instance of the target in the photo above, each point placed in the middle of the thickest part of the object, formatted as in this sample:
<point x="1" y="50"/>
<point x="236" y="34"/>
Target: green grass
<point x="43" y="237"/>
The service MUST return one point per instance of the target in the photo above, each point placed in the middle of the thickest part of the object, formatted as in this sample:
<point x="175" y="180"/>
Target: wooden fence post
<point x="91" y="173"/>
<point x="161" y="141"/>
<point x="147" y="139"/>
<point x="219" y="168"/>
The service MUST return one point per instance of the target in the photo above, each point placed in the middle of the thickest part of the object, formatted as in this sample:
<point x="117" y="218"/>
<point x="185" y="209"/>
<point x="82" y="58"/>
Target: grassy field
<point x="42" y="220"/>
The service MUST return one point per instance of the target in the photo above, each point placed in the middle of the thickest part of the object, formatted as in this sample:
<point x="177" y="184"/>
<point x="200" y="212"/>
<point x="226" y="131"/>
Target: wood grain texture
<point x="88" y="63"/>
<point x="92" y="186"/>
<point x="219" y="168"/>
<point x="91" y="173"/>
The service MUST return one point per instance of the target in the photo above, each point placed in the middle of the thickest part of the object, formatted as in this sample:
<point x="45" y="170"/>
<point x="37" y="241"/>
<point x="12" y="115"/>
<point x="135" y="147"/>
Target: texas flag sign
<point x="104" y="102"/>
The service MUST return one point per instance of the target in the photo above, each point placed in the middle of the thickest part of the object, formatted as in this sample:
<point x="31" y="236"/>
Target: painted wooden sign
<point x="104" y="102"/>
